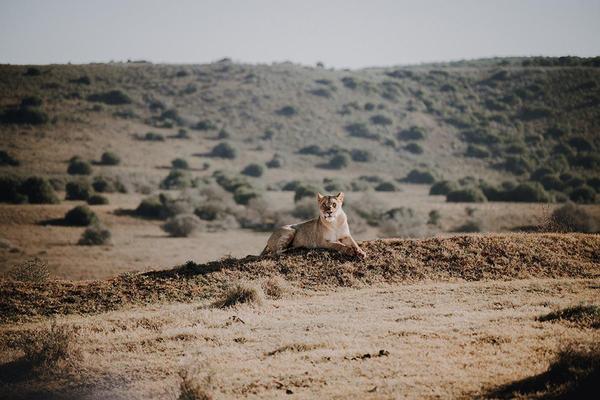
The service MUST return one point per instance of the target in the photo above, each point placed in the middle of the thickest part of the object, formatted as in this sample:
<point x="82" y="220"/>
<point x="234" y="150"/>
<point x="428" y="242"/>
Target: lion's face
<point x="330" y="206"/>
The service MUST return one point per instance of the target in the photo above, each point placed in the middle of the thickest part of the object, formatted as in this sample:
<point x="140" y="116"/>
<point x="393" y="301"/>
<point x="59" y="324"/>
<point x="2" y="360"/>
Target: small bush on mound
<point x="180" y="163"/>
<point x="34" y="270"/>
<point x="112" y="97"/>
<point x="583" y="194"/>
<point x="95" y="236"/>
<point x="240" y="293"/>
<point x="77" y="166"/>
<point x="80" y="216"/>
<point x="412" y="133"/>
<point x="385" y="187"/>
<point x="419" y="176"/>
<point x="97" y="199"/>
<point x="414" y="148"/>
<point x="468" y="195"/>
<point x="584" y="316"/>
<point x="531" y="192"/>
<point x="224" y="150"/>
<point x="154" y="137"/>
<point x="338" y="161"/>
<point x="204" y="125"/>
<point x="286" y="111"/>
<point x="476" y="151"/>
<point x="150" y="207"/>
<point x="572" y="218"/>
<point x="182" y="225"/>
<point x="275" y="162"/>
<point x="305" y="190"/>
<point x="243" y="195"/>
<point x="380" y="119"/>
<point x="38" y="191"/>
<point x="177" y="179"/>
<point x="306" y="208"/>
<point x="110" y="158"/>
<point x="7" y="160"/>
<point x="442" y="188"/>
<point x="360" y="155"/>
<point x="255" y="170"/>
<point x="78" y="190"/>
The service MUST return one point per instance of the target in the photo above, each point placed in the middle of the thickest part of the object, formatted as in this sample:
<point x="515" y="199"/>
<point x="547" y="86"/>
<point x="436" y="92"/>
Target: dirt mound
<point x="470" y="258"/>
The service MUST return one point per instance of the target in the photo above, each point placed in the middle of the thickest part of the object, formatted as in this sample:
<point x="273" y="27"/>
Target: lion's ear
<point x="320" y="197"/>
<point x="340" y="196"/>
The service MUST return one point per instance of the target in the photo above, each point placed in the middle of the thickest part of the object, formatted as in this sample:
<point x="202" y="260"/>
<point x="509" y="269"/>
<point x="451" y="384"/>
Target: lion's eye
<point x="334" y="205"/>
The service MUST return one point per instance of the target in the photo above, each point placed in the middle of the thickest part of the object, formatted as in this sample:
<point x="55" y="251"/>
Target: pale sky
<point x="340" y="33"/>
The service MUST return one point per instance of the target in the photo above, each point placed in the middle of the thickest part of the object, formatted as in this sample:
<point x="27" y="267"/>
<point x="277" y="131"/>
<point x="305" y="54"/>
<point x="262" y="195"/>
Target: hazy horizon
<point x="341" y="34"/>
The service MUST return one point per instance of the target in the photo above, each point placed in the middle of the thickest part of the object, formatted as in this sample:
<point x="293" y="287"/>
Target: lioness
<point x="329" y="230"/>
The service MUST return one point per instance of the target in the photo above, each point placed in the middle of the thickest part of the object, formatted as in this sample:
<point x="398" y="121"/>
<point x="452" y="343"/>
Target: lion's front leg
<point x="339" y="246"/>
<point x="350" y="242"/>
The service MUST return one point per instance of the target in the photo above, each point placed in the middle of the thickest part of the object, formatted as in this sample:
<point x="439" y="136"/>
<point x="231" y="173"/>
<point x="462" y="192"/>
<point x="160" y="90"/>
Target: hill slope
<point x="468" y="258"/>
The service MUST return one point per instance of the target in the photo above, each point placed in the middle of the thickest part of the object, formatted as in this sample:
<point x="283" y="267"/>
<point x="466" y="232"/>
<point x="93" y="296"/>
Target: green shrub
<point x="286" y="111"/>
<point x="255" y="170"/>
<point x="291" y="186"/>
<point x="182" y="134"/>
<point x="244" y="194"/>
<point x="517" y="165"/>
<point x="103" y="184"/>
<point x="380" y="119"/>
<point x="412" y="133"/>
<point x="154" y="137"/>
<point x="24" y="116"/>
<point x="479" y="136"/>
<point x="95" y="236"/>
<point x="467" y="195"/>
<point x="305" y="208"/>
<point x="442" y="188"/>
<point x="38" y="191"/>
<point x="385" y="187"/>
<point x="182" y="225"/>
<point x="434" y="217"/>
<point x="10" y="190"/>
<point x="80" y="216"/>
<point x="580" y="143"/>
<point x="97" y="199"/>
<point x="414" y="148"/>
<point x="150" y="207"/>
<point x="419" y="176"/>
<point x="594" y="182"/>
<point x="360" y="130"/>
<point x="224" y="150"/>
<point x="77" y="166"/>
<point x="275" y="162"/>
<point x="32" y="71"/>
<point x="180" y="163"/>
<point x="223" y="134"/>
<point x="204" y="125"/>
<point x="583" y="194"/>
<point x="531" y="113"/>
<point x="334" y="185"/>
<point x="312" y="149"/>
<point x="532" y="192"/>
<point x="338" y="161"/>
<point x="110" y="158"/>
<point x="305" y="190"/>
<point x="471" y="226"/>
<point x="551" y="182"/>
<point x="7" y="160"/>
<point x="112" y="97"/>
<point x="78" y="190"/>
<point x="177" y="179"/>
<point x="360" y="155"/>
<point x="476" y="151"/>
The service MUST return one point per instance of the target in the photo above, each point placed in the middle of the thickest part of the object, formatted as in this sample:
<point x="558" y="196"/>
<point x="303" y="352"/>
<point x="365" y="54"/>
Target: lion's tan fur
<point x="329" y="230"/>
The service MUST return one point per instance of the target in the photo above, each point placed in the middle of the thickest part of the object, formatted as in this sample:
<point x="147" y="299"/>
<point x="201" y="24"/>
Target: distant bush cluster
<point x="33" y="190"/>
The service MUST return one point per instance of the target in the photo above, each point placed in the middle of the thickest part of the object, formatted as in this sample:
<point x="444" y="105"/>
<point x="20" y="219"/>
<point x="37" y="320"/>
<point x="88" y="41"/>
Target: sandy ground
<point x="428" y="340"/>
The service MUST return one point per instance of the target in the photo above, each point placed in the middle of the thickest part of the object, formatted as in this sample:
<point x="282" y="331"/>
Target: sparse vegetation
<point x="467" y="195"/>
<point x="572" y="218"/>
<point x="112" y="97"/>
<point x="583" y="316"/>
<point x="96" y="235"/>
<point x="80" y="216"/>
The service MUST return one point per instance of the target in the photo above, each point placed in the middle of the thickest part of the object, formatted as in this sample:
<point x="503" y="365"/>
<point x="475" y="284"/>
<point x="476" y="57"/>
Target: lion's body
<point x="330" y="231"/>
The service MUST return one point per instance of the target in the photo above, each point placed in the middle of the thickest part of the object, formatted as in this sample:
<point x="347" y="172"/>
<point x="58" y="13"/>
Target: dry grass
<point x="275" y="287"/>
<point x="468" y="258"/>
<point x="34" y="270"/>
<point x="193" y="388"/>
<point x="240" y="293"/>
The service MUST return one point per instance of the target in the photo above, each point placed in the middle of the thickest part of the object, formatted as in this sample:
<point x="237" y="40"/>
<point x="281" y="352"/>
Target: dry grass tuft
<point x="34" y="270"/>
<point x="584" y="316"/>
<point x="49" y="349"/>
<point x="296" y="347"/>
<point x="240" y="293"/>
<point x="194" y="389"/>
<point x="275" y="287"/>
